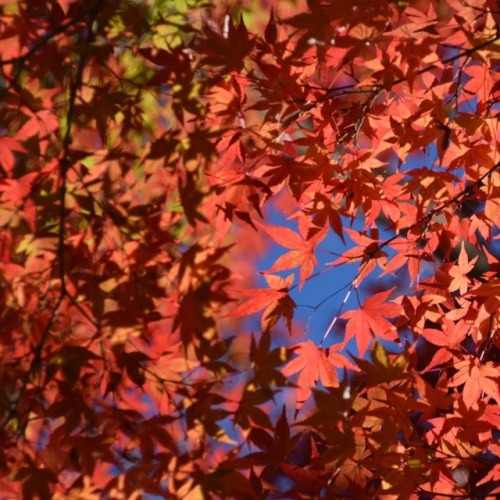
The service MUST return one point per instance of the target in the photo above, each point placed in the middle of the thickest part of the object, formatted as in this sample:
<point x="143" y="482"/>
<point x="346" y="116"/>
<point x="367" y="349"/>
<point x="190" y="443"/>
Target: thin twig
<point x="339" y="310"/>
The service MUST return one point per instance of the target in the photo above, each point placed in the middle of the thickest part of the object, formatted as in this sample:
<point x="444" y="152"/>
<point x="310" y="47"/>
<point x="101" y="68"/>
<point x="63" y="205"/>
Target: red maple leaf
<point x="315" y="364"/>
<point x="8" y="146"/>
<point x="491" y="288"/>
<point x="301" y="252"/>
<point x="275" y="300"/>
<point x="493" y="475"/>
<point x="460" y="271"/>
<point x="371" y="319"/>
<point x="449" y="339"/>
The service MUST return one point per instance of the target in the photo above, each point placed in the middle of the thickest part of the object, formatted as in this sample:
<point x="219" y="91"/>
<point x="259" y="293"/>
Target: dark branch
<point x="64" y="164"/>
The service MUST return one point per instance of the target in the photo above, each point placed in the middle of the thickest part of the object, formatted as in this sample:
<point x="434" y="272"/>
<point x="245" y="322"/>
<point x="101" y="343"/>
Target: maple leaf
<point x="42" y="123"/>
<point x="301" y="253"/>
<point x="476" y="378"/>
<point x="275" y="300"/>
<point x="271" y="31"/>
<point x="479" y="153"/>
<point x="370" y="320"/>
<point x="315" y="365"/>
<point x="415" y="23"/>
<point x="493" y="475"/>
<point x="16" y="190"/>
<point x="407" y="255"/>
<point x="324" y="210"/>
<point x="65" y="5"/>
<point x="449" y="339"/>
<point x="366" y="249"/>
<point x="8" y="146"/>
<point x="226" y="48"/>
<point x="480" y="82"/>
<point x="460" y="271"/>
<point x="432" y="398"/>
<point x="491" y="288"/>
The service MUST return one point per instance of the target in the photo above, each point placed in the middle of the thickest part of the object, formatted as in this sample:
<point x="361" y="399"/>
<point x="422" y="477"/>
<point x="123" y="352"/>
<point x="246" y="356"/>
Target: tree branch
<point x="64" y="164"/>
<point x="43" y="41"/>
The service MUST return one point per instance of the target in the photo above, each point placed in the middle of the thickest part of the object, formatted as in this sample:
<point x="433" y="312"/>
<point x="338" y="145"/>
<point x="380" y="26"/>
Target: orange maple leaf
<point x="460" y="271"/>
<point x="477" y="379"/>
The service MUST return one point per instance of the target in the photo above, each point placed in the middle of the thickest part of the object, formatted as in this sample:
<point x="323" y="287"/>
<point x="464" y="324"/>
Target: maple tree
<point x="152" y="151"/>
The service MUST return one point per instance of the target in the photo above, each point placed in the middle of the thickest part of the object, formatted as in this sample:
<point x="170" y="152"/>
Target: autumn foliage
<point x="154" y="153"/>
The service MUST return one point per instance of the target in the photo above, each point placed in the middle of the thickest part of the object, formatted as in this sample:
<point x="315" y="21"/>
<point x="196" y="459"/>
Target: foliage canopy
<point x="152" y="151"/>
